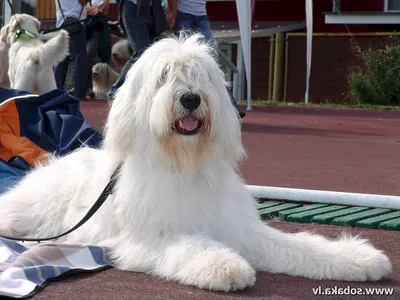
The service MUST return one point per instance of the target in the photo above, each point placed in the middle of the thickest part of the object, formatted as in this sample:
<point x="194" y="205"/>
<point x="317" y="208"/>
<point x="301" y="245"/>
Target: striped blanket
<point x="27" y="268"/>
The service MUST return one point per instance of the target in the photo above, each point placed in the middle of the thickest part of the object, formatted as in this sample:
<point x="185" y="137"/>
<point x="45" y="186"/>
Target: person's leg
<point x="78" y="43"/>
<point x="91" y="50"/>
<point x="184" y="21"/>
<point x="203" y="25"/>
<point x="60" y="71"/>
<point x="233" y="99"/>
<point x="241" y="113"/>
<point x="138" y="36"/>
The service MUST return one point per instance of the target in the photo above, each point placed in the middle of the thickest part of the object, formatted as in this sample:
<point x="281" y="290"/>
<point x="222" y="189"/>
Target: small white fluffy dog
<point x="103" y="77"/>
<point x="30" y="60"/>
<point x="179" y="209"/>
<point x="4" y="47"/>
<point x="120" y="54"/>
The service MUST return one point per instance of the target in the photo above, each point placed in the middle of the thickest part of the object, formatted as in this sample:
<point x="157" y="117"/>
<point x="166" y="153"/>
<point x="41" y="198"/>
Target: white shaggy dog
<point x="103" y="78"/>
<point x="179" y="209"/>
<point x="120" y="54"/>
<point x="30" y="60"/>
<point x="4" y="47"/>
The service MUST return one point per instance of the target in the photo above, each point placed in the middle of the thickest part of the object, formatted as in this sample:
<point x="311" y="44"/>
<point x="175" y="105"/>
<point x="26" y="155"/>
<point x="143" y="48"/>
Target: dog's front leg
<point x="314" y="256"/>
<point x="207" y="264"/>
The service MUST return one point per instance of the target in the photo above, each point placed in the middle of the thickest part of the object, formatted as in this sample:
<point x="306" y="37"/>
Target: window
<point x="392" y="5"/>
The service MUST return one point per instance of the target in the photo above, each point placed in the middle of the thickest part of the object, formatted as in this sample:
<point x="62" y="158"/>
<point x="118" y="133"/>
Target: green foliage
<point x="377" y="81"/>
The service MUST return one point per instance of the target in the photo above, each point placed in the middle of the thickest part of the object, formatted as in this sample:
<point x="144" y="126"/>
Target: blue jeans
<point x="77" y="45"/>
<point x="139" y="36"/>
<point x="185" y="21"/>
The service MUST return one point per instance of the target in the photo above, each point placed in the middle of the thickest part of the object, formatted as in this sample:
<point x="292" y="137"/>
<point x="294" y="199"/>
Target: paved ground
<point x="331" y="149"/>
<point x="113" y="284"/>
<point x="341" y="150"/>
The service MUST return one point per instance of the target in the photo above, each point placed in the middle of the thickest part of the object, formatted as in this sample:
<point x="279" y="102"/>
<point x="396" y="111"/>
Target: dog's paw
<point x="9" y="232"/>
<point x="13" y="226"/>
<point x="360" y="261"/>
<point x="219" y="270"/>
<point x="64" y="35"/>
<point x="64" y="32"/>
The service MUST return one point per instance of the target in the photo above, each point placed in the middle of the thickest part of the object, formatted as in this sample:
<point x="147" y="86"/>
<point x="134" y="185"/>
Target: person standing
<point x="71" y="12"/>
<point x="189" y="14"/>
<point x="143" y="21"/>
<point x="98" y="36"/>
<point x="192" y="15"/>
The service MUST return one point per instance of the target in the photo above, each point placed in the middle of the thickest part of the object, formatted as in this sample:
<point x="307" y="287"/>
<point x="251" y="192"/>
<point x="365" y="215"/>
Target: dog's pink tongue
<point x="189" y="123"/>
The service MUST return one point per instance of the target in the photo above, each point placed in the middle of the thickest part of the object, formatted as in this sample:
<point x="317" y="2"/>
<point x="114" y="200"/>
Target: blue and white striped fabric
<point x="25" y="268"/>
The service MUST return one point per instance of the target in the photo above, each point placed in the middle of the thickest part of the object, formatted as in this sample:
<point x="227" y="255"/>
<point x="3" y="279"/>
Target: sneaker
<point x="241" y="113"/>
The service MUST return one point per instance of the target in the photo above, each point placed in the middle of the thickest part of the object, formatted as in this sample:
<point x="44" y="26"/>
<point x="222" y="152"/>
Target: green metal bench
<point x="342" y="215"/>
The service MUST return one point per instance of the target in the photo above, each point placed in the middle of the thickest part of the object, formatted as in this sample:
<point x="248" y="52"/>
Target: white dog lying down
<point x="179" y="208"/>
<point x="30" y="60"/>
<point x="4" y="47"/>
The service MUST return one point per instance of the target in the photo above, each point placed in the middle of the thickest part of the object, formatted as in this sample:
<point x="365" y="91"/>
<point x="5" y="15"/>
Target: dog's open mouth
<point x="188" y="125"/>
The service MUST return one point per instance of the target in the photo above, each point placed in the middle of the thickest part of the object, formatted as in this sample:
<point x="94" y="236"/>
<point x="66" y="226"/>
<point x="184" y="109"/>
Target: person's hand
<point x="103" y="6"/>
<point x="171" y="18"/>
<point x="84" y="2"/>
<point x="92" y="10"/>
<point x="170" y="13"/>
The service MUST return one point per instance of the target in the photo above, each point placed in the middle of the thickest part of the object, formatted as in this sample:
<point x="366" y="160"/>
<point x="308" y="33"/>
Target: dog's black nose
<point x="190" y="101"/>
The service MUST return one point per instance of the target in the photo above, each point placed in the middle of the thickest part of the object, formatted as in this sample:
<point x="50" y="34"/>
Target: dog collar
<point x="24" y="32"/>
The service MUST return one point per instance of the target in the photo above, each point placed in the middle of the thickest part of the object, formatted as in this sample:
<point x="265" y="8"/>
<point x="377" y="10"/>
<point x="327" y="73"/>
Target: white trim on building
<point x="363" y="18"/>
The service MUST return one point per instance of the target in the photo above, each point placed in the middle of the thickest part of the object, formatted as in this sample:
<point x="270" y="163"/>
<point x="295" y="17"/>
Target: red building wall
<point x="294" y="10"/>
<point x="364" y="5"/>
<point x="333" y="56"/>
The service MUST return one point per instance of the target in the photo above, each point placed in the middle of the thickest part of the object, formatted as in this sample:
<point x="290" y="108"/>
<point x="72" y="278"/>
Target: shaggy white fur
<point x="179" y="210"/>
<point x="4" y="47"/>
<point x="120" y="54"/>
<point x="103" y="78"/>
<point x="31" y="61"/>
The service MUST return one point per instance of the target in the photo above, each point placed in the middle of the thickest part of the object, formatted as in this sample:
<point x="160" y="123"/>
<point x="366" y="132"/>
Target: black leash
<point x="68" y="25"/>
<point x="63" y="27"/>
<point x="108" y="190"/>
<point x="13" y="13"/>
<point x="46" y="31"/>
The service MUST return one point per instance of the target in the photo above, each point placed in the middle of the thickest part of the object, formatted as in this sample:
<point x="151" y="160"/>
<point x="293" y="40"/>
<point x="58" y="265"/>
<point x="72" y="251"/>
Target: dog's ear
<point x="231" y="136"/>
<point x="38" y="24"/>
<point x="14" y="24"/>
<point x="117" y="59"/>
<point x="119" y="129"/>
<point x="121" y="126"/>
<point x="4" y="33"/>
